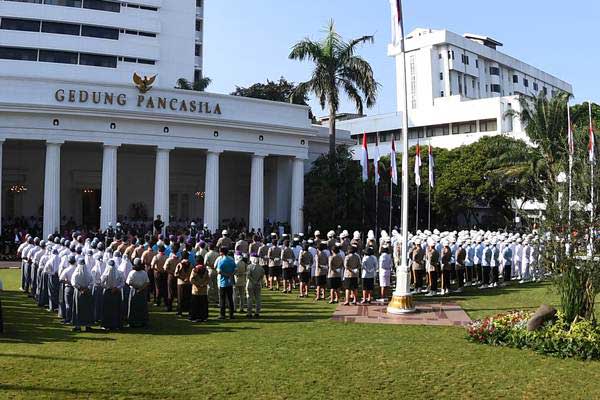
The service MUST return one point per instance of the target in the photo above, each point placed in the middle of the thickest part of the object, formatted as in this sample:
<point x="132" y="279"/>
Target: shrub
<point x="580" y="339"/>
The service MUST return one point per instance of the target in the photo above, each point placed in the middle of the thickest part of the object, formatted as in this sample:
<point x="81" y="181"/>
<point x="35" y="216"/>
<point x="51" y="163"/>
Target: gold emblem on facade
<point x="143" y="84"/>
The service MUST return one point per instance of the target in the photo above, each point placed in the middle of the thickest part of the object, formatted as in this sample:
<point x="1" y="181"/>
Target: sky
<point x="249" y="41"/>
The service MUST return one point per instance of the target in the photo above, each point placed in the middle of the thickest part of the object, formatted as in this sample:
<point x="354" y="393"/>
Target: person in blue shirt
<point x="225" y="268"/>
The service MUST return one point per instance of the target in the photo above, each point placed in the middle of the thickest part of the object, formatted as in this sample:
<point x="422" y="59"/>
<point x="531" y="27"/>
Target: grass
<point x="295" y="352"/>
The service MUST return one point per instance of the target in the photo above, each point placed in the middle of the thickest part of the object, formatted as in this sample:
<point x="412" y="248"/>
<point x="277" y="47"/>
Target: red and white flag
<point x="364" y="159"/>
<point x="398" y="24"/>
<point x="431" y="166"/>
<point x="376" y="158"/>
<point x="393" y="166"/>
<point x="592" y="142"/>
<point x="418" y="165"/>
<point x="570" y="140"/>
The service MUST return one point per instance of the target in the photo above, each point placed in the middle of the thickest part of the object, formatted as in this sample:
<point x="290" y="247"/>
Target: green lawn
<point x="294" y="352"/>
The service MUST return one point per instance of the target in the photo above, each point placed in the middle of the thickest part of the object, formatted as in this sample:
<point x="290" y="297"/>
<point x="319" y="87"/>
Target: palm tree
<point x="337" y="68"/>
<point x="198" y="86"/>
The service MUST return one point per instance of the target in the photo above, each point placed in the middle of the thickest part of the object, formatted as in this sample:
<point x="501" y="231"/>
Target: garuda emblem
<point x="143" y="84"/>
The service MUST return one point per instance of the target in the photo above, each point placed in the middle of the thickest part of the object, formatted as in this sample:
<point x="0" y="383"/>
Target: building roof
<point x="485" y="40"/>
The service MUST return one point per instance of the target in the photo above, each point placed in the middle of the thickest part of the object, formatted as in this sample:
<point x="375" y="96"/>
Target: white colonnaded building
<point x="460" y="88"/>
<point x="80" y="141"/>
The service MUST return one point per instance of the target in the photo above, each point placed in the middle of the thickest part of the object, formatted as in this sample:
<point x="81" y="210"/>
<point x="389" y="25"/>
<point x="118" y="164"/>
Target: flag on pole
<point x="431" y="166"/>
<point x="393" y="166"/>
<point x="398" y="26"/>
<point x="376" y="157"/>
<point x="364" y="160"/>
<point x="418" y="166"/>
<point x="570" y="140"/>
<point x="592" y="142"/>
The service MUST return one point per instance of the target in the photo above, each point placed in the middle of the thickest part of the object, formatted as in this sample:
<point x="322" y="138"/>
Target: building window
<point x="525" y="82"/>
<point x="16" y="53"/>
<point x="102" y="5"/>
<point x="495" y="88"/>
<point x="68" y="3"/>
<point x="442" y="93"/>
<point x="545" y="90"/>
<point x="99" y="32"/>
<point x="454" y="129"/>
<point x="441" y="76"/>
<point x="515" y="78"/>
<point x="440" y="56"/>
<point x="16" y="24"/>
<point x="198" y="25"/>
<point x="61" y="57"/>
<point x="144" y="61"/>
<point x="147" y="34"/>
<point x="199" y="3"/>
<point x="130" y="59"/>
<point x="495" y="71"/>
<point x="467" y="127"/>
<point x="60" y="28"/>
<point x="97" y="60"/>
<point x="198" y="50"/>
<point x="477" y="64"/>
<point x="488" y="125"/>
<point x="535" y="86"/>
<point x="437" y="130"/>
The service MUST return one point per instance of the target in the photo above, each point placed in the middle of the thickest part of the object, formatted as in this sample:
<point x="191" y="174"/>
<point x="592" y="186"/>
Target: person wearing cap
<point x="305" y="263"/>
<point x="274" y="255"/>
<point x="225" y="240"/>
<point x="83" y="304"/>
<point x="477" y="259"/>
<point x="65" y="278"/>
<point x="42" y="288"/>
<point x="138" y="281"/>
<point x="460" y="265"/>
<point x="417" y="256"/>
<point x="158" y="224"/>
<point x="317" y="238"/>
<point x="495" y="265"/>
<point x="254" y="278"/>
<point x="352" y="264"/>
<point x="239" y="281"/>
<point x="209" y="262"/>
<point x="369" y="269"/>
<point x="41" y="250"/>
<point x="199" y="301"/>
<point x="182" y="272"/>
<point x="432" y="262"/>
<point x="486" y="262"/>
<point x="263" y="259"/>
<point x="445" y="267"/>
<point x="356" y="241"/>
<point x="225" y="266"/>
<point x="385" y="270"/>
<point x="242" y="245"/>
<point x="469" y="265"/>
<point x="331" y="242"/>
<point x="525" y="261"/>
<point x="112" y="282"/>
<point x="507" y="256"/>
<point x="321" y="271"/>
<point x="517" y="256"/>
<point x="334" y="274"/>
<point x="287" y="266"/>
<point x="171" y="280"/>
<point x="51" y="268"/>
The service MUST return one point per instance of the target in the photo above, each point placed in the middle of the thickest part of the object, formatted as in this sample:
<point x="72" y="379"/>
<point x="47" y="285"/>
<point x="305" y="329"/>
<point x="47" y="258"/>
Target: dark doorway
<point x="90" y="208"/>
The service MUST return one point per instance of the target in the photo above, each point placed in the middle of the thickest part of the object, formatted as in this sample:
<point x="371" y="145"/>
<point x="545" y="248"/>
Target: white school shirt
<point x="369" y="267"/>
<point x="137" y="279"/>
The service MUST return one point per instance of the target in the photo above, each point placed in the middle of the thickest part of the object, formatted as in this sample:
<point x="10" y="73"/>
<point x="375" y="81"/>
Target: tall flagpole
<point x="391" y="202"/>
<point x="376" y="161"/>
<point x="592" y="152"/>
<point x="570" y="163"/>
<point x="402" y="300"/>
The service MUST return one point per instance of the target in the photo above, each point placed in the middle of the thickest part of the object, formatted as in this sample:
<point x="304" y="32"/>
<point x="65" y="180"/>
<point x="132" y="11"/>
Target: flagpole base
<point x="401" y="304"/>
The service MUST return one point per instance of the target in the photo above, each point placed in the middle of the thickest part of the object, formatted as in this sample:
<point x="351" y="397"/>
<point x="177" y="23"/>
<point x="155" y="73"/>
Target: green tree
<point x="282" y="90"/>
<point x="337" y="69"/>
<point x="198" y="86"/>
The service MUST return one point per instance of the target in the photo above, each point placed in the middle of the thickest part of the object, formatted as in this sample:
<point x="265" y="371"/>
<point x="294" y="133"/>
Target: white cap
<point x="224" y="232"/>
<point x="356" y="235"/>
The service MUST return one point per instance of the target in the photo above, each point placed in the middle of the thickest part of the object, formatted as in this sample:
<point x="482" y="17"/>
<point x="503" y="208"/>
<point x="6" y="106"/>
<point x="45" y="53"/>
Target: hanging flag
<point x="376" y="157"/>
<point x="431" y="166"/>
<point x="393" y="166"/>
<point x="364" y="160"/>
<point x="570" y="140"/>
<point x="398" y="25"/>
<point x="418" y="165"/>
<point x="592" y="142"/>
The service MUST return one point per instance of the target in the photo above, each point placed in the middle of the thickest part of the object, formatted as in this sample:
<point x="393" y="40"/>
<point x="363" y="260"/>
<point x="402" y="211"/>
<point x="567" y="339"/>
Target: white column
<point x="297" y="207"/>
<point x="161" y="185"/>
<point x="211" y="190"/>
<point x="52" y="189"/>
<point x="257" y="192"/>
<point x="108" y="202"/>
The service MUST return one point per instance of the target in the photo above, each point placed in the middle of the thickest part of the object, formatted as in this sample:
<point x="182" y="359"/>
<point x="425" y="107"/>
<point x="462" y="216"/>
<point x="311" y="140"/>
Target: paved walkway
<point x="9" y="264"/>
<point x="440" y="314"/>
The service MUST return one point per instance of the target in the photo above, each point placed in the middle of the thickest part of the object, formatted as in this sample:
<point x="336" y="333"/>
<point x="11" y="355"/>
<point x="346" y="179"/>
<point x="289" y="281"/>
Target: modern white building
<point x="79" y="140"/>
<point x="459" y="89"/>
<point x="101" y="40"/>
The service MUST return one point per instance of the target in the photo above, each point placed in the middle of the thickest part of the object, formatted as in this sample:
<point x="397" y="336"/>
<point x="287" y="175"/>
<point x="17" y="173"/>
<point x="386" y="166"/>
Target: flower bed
<point x="579" y="340"/>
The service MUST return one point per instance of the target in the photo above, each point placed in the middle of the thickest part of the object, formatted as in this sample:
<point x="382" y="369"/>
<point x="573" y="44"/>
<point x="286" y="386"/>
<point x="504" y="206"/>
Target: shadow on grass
<point x="25" y="322"/>
<point x="60" y="392"/>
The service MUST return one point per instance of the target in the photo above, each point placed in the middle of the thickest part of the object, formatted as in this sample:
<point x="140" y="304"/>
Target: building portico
<point x="95" y="162"/>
